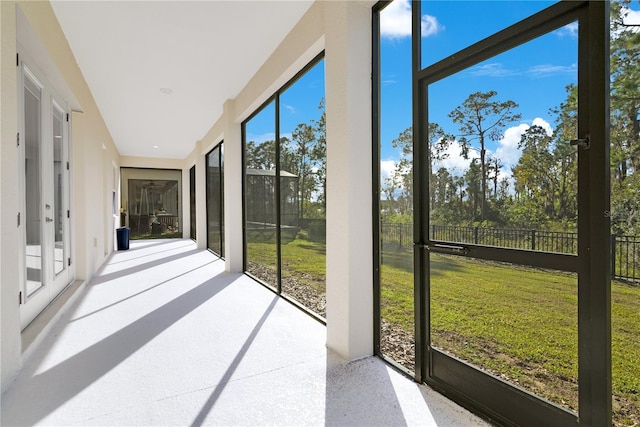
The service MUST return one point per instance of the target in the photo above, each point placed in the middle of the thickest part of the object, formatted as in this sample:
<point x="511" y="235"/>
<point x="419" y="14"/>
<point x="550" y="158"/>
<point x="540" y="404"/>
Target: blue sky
<point x="298" y="104"/>
<point x="533" y="75"/>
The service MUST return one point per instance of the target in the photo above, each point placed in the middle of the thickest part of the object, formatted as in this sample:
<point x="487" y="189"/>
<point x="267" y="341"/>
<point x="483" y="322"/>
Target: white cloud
<point x="259" y="139"/>
<point x="454" y="162"/>
<point x="494" y="69"/>
<point x="508" y="151"/>
<point x="395" y="21"/>
<point x="386" y="168"/>
<point x="429" y="26"/>
<point x="497" y="69"/>
<point x="546" y="70"/>
<point x="632" y="17"/>
<point x="290" y="108"/>
<point x="543" y="124"/>
<point x="569" y="30"/>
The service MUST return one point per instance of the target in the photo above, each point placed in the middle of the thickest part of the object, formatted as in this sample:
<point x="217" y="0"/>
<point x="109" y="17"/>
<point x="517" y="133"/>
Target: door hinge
<point x="67" y="165"/>
<point x="67" y="116"/>
<point x="18" y="219"/>
<point x="20" y="298"/>
<point x="17" y="59"/>
<point x="69" y="262"/>
<point x="18" y="139"/>
<point x="68" y="213"/>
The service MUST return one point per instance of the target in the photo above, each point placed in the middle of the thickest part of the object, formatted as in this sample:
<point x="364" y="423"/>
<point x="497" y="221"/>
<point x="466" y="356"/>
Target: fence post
<point x="613" y="256"/>
<point x="475" y="235"/>
<point x="533" y="239"/>
<point x="400" y="227"/>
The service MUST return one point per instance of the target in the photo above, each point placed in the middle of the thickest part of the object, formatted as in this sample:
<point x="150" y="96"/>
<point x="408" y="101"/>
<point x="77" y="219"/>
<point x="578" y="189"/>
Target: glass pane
<point x="517" y="323"/>
<point x="502" y="170"/>
<point x="58" y="185"/>
<point x="450" y="26"/>
<point x="397" y="339"/>
<point x="213" y="201"/>
<point x="221" y="199"/>
<point x="260" y="196"/>
<point x="625" y="212"/>
<point x="33" y="173"/>
<point x="154" y="208"/>
<point x="192" y="202"/>
<point x="303" y="189"/>
<point x="502" y="173"/>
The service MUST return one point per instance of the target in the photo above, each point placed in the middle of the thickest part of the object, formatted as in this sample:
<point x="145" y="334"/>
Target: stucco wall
<point x="93" y="155"/>
<point x="9" y="262"/>
<point x="343" y="29"/>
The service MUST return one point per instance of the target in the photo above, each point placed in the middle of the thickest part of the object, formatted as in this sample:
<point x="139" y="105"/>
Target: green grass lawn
<point x="518" y="323"/>
<point x="302" y="259"/>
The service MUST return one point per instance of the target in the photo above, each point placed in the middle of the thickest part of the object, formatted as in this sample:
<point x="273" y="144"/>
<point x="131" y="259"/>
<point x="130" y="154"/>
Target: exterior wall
<point x="344" y="30"/>
<point x="9" y="198"/>
<point x="93" y="157"/>
<point x="349" y="195"/>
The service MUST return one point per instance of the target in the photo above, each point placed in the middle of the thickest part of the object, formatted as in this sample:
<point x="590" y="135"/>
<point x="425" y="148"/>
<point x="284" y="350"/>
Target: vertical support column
<point x="233" y="177"/>
<point x="594" y="275"/>
<point x="349" y="189"/>
<point x="201" y="198"/>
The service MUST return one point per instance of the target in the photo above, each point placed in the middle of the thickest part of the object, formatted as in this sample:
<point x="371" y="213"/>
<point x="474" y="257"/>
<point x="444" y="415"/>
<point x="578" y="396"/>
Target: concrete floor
<point x="162" y="336"/>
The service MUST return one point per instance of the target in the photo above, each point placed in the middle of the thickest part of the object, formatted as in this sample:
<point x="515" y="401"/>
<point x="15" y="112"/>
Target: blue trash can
<point x="122" y="235"/>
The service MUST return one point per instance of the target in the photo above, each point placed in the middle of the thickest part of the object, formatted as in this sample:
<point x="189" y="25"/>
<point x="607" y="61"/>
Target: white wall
<point x="344" y="30"/>
<point x="349" y="179"/>
<point x="92" y="158"/>
<point x="9" y="199"/>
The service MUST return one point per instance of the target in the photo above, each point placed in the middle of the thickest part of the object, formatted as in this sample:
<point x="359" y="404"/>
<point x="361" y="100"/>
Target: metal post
<point x="533" y="240"/>
<point x="613" y="255"/>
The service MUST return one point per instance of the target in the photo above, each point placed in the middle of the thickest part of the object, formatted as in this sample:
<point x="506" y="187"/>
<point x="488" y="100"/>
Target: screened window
<point x="285" y="190"/>
<point x="215" y="199"/>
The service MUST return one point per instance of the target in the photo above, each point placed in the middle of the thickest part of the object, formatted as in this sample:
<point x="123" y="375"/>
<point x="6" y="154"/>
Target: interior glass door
<point x="45" y="216"/>
<point x="32" y="101"/>
<point x="57" y="208"/>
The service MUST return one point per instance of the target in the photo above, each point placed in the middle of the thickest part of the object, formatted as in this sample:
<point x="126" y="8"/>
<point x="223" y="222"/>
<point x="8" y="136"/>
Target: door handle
<point x="446" y="249"/>
<point x="47" y="219"/>
<point x="48" y="206"/>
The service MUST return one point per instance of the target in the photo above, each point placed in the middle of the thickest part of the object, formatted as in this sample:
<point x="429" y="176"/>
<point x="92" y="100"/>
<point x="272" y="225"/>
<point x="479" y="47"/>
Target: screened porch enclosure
<point x="260" y="209"/>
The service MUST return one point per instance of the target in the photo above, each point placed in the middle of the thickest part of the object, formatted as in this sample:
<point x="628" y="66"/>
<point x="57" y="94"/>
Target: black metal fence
<point x="625" y="250"/>
<point x="625" y="257"/>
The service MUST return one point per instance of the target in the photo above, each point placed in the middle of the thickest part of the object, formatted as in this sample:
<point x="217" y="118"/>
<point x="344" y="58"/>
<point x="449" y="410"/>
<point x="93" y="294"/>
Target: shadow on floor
<point x="103" y="278"/>
<point x="62" y="382"/>
<point x="164" y="282"/>
<point x="211" y="401"/>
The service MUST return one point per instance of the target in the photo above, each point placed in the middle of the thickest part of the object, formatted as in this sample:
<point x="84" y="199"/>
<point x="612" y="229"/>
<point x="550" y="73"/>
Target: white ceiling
<point x="204" y="52"/>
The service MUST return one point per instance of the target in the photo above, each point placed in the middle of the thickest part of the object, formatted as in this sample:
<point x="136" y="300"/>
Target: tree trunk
<point x="483" y="213"/>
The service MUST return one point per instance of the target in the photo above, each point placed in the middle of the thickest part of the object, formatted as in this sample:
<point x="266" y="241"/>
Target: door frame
<point x="52" y="284"/>
<point x="469" y="386"/>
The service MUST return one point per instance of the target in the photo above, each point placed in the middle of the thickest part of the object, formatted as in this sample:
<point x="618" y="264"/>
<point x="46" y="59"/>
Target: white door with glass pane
<point x="44" y="219"/>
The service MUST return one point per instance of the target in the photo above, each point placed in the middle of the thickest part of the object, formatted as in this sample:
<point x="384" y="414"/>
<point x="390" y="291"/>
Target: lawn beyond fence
<point x="625" y="250"/>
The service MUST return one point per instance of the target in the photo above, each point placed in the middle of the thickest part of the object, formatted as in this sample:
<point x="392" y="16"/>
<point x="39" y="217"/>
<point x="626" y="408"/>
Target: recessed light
<point x="155" y="146"/>
<point x="166" y="90"/>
